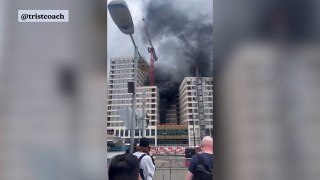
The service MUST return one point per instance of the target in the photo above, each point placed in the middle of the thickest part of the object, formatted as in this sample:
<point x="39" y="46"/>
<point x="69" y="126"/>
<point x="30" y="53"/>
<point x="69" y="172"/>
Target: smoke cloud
<point x="182" y="41"/>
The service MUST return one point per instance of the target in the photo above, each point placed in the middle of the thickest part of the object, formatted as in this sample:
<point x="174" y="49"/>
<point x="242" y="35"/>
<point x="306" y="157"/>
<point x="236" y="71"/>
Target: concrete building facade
<point x="196" y="107"/>
<point x="178" y="109"/>
<point x="171" y="114"/>
<point x="120" y="72"/>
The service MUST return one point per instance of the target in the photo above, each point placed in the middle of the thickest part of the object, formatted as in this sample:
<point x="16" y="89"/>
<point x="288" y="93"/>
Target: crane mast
<point x="153" y="56"/>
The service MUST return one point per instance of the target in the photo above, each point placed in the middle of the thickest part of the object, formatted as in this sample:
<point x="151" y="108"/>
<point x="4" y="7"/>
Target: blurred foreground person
<point x="124" y="167"/>
<point x="53" y="93"/>
<point x="147" y="167"/>
<point x="201" y="165"/>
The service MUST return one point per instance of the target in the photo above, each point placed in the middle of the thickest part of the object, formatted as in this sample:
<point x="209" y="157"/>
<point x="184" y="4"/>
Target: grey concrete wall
<point x="175" y="174"/>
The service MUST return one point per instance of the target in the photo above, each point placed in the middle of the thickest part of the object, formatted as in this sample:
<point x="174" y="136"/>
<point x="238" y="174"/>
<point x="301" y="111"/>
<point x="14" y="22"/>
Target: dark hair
<point x="144" y="142"/>
<point x="124" y="167"/>
<point x="143" y="149"/>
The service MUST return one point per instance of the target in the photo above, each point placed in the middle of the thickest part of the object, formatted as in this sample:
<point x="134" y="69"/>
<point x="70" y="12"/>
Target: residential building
<point x="196" y="107"/>
<point x="178" y="109"/>
<point x="121" y="71"/>
<point x="151" y="109"/>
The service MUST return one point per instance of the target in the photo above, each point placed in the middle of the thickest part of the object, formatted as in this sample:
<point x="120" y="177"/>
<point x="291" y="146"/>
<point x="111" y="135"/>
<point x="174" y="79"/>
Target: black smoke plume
<point x="182" y="42"/>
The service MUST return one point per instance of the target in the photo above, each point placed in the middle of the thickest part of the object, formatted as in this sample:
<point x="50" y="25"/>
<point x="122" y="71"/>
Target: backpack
<point x="202" y="171"/>
<point x="141" y="170"/>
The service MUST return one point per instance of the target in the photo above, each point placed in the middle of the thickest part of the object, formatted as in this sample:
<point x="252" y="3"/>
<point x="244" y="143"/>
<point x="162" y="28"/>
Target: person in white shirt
<point x="147" y="167"/>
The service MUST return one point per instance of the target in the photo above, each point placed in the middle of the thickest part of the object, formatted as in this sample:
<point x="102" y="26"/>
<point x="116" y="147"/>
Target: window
<point x="153" y="132"/>
<point x="136" y="132"/>
<point x="147" y="132"/>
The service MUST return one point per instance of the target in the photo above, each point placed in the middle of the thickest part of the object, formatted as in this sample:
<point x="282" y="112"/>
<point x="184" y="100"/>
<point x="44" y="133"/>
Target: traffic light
<point x="131" y="87"/>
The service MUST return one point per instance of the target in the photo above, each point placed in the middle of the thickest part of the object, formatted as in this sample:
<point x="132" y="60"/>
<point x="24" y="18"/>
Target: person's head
<point x="134" y="148"/>
<point x="124" y="167"/>
<point x="207" y="144"/>
<point x="143" y="145"/>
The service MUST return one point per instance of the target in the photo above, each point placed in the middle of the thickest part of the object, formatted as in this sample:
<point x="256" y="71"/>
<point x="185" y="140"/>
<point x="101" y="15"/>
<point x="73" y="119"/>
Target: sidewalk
<point x="170" y="173"/>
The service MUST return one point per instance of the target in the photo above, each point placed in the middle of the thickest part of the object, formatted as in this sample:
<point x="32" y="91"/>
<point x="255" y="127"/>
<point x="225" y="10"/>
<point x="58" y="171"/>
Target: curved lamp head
<point x="121" y="16"/>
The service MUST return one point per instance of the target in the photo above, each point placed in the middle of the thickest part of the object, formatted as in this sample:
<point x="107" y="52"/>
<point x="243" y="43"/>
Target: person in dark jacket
<point x="206" y="155"/>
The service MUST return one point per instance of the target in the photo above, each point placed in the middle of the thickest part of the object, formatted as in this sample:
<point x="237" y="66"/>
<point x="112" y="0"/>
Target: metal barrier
<point x="171" y="167"/>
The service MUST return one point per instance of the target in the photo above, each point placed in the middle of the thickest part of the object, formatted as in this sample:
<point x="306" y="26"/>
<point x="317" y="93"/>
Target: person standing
<point x="201" y="165"/>
<point x="134" y="147"/>
<point x="147" y="167"/>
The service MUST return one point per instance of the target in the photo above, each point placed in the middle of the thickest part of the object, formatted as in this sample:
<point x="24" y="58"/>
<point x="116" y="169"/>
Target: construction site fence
<point x="171" y="162"/>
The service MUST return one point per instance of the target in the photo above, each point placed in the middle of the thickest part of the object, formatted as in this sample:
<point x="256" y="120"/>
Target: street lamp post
<point x="121" y="16"/>
<point x="144" y="113"/>
<point x="133" y="118"/>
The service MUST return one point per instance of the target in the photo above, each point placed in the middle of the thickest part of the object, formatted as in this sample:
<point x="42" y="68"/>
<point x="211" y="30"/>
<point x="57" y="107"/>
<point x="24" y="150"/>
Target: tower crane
<point x="153" y="56"/>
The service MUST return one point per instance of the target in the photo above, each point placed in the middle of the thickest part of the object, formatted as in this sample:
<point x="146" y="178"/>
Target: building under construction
<point x="196" y="107"/>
